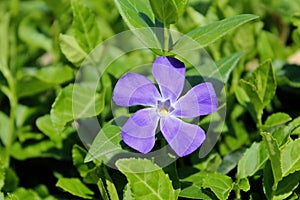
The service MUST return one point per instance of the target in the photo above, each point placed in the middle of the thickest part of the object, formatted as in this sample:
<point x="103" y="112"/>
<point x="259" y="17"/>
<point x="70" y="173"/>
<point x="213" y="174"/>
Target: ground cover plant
<point x="149" y="99"/>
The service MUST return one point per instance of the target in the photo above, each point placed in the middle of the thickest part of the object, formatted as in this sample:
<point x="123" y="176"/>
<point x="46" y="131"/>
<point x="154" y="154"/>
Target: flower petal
<point x="200" y="100"/>
<point x="134" y="89"/>
<point x="139" y="131"/>
<point x="184" y="138"/>
<point x="169" y="73"/>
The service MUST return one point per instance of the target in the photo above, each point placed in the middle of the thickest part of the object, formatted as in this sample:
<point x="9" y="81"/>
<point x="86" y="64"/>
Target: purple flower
<point x="164" y="108"/>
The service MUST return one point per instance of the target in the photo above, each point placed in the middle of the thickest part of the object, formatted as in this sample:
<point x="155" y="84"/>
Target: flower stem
<point x="166" y="38"/>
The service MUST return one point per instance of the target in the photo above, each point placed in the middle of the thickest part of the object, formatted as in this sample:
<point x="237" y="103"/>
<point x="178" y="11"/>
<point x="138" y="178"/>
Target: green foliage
<point x="143" y="175"/>
<point x="50" y="147"/>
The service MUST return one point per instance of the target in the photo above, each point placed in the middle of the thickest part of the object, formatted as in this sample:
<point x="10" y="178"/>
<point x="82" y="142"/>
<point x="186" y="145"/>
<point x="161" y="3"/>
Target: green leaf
<point x="138" y="14"/>
<point x="287" y="185"/>
<point x="230" y="161"/>
<point x="260" y="87"/>
<point x="226" y="65"/>
<point x="106" y="144"/>
<point x="31" y="85"/>
<point x="44" y="123"/>
<point x="275" y="157"/>
<point x="71" y="49"/>
<point x="55" y="74"/>
<point x="253" y="160"/>
<point x="277" y="119"/>
<point x="290" y="158"/>
<point x="85" y="28"/>
<point x="26" y="194"/>
<point x="220" y="184"/>
<point x="75" y="187"/>
<point x="208" y="34"/>
<point x="168" y="11"/>
<point x="102" y="190"/>
<point x="78" y="154"/>
<point x="39" y="149"/>
<point x="29" y="32"/>
<point x="127" y="194"/>
<point x="147" y="180"/>
<point x="4" y="128"/>
<point x="244" y="184"/>
<point x="75" y="102"/>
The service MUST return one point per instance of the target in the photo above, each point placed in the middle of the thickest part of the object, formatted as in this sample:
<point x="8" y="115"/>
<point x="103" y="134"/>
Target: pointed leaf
<point x="290" y="158"/>
<point x="277" y="119"/>
<point x="147" y="180"/>
<point x="226" y="65"/>
<point x="75" y="102"/>
<point x="84" y="24"/>
<point x="4" y="128"/>
<point x="208" y="34"/>
<point x="75" y="187"/>
<point x="253" y="160"/>
<point x="137" y="15"/>
<point x="274" y="155"/>
<point x="106" y="144"/>
<point x="71" y="49"/>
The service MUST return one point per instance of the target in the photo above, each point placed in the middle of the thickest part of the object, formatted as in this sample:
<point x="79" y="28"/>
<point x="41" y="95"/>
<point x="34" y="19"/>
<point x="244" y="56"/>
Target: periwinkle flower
<point x="164" y="108"/>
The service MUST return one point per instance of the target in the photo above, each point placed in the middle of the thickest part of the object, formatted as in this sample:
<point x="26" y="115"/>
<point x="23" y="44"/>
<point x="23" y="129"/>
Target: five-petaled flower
<point x="164" y="108"/>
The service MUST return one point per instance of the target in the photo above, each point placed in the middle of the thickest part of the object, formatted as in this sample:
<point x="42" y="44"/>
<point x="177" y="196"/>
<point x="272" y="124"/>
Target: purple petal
<point x="134" y="89"/>
<point x="169" y="73"/>
<point x="200" y="100"/>
<point x="139" y="131"/>
<point x="184" y="138"/>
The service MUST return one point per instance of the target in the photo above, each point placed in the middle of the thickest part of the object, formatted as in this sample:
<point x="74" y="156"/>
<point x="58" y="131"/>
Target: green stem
<point x="166" y="38"/>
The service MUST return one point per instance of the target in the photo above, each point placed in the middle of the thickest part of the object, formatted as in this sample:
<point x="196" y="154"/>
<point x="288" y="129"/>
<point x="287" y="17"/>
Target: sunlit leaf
<point x="75" y="187"/>
<point x="208" y="34"/>
<point x="253" y="160"/>
<point x="71" y="49"/>
<point x="290" y="158"/>
<point x="143" y="176"/>
<point x="84" y="24"/>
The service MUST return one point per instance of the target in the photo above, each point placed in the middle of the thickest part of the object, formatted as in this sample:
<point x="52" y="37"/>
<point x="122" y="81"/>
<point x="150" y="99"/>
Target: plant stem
<point x="166" y="38"/>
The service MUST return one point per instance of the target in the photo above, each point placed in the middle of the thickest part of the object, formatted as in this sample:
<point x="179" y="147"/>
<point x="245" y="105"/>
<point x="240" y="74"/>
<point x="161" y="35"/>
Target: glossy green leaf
<point x="75" y="187"/>
<point x="147" y="180"/>
<point x="287" y="185"/>
<point x="168" y="11"/>
<point x="106" y="144"/>
<point x="253" y="160"/>
<point x="221" y="185"/>
<point x="260" y="87"/>
<point x="85" y="27"/>
<point x="75" y="102"/>
<point x="71" y="49"/>
<point x="208" y="34"/>
<point x="138" y="14"/>
<point x="226" y="65"/>
<point x="230" y="161"/>
<point x="277" y="119"/>
<point x="274" y="155"/>
<point x="102" y="190"/>
<point x="290" y="158"/>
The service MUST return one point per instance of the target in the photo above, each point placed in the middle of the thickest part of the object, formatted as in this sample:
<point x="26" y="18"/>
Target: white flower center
<point x="164" y="108"/>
